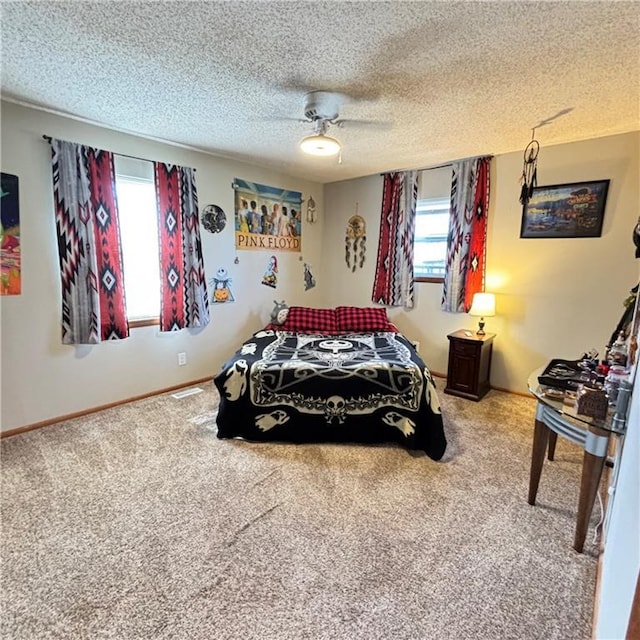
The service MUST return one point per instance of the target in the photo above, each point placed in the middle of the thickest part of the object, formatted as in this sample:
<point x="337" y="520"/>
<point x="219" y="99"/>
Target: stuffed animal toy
<point x="279" y="313"/>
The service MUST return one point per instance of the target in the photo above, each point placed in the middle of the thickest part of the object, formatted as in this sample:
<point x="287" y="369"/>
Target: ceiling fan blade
<point x="279" y="118"/>
<point x="354" y="123"/>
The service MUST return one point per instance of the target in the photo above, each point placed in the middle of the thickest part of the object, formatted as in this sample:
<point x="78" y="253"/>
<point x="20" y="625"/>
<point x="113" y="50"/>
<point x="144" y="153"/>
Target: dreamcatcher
<point x="529" y="176"/>
<point x="311" y="210"/>
<point x="355" y="241"/>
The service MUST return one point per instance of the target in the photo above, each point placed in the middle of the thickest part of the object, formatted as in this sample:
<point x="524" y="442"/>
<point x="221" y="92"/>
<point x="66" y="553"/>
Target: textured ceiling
<point x="428" y="82"/>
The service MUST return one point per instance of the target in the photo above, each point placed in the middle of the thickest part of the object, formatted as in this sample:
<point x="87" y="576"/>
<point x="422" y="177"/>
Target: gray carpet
<point x="137" y="522"/>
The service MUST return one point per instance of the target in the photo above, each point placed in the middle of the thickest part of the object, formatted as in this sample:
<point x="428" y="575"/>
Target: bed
<point x="330" y="375"/>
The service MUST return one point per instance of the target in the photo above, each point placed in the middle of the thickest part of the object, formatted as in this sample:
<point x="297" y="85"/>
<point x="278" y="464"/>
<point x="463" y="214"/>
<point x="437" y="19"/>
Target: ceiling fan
<point x="321" y="108"/>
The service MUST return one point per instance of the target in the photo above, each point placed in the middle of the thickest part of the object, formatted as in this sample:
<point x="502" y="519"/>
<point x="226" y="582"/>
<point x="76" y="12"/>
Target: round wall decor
<point x="213" y="218"/>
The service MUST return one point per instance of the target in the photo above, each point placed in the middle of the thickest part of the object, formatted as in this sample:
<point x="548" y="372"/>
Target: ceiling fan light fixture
<point x="320" y="145"/>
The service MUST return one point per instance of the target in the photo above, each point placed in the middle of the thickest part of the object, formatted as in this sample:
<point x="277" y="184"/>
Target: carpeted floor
<point x="137" y="522"/>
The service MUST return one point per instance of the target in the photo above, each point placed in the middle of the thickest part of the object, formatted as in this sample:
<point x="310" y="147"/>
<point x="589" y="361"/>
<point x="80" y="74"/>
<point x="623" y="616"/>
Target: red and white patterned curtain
<point x="93" y="303"/>
<point x="393" y="284"/>
<point x="467" y="242"/>
<point x="184" y="290"/>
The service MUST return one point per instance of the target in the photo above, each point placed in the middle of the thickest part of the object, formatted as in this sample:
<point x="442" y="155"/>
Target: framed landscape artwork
<point x="10" y="256"/>
<point x="574" y="210"/>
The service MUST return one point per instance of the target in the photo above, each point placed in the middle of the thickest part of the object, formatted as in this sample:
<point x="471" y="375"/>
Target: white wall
<point x="556" y="298"/>
<point x="44" y="379"/>
<point x="621" y="559"/>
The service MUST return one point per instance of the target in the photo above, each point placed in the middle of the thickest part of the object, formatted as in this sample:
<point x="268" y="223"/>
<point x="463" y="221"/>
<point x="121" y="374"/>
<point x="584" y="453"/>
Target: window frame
<point x="432" y="201"/>
<point x="144" y="321"/>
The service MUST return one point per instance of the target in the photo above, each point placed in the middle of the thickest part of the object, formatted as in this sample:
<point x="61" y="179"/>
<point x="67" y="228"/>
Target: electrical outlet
<point x="182" y="358"/>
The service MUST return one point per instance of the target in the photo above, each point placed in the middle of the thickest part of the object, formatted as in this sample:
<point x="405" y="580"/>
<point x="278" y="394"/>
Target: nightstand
<point x="469" y="364"/>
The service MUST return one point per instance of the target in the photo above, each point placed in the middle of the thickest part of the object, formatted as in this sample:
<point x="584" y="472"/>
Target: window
<point x="430" y="239"/>
<point x="139" y="239"/>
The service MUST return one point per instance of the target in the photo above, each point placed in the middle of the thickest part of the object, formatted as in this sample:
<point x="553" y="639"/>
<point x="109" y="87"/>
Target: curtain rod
<point x="124" y="155"/>
<point x="440" y="166"/>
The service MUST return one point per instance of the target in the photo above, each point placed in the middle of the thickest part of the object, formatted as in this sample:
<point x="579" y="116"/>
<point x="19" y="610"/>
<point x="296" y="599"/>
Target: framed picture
<point x="10" y="255"/>
<point x="574" y="210"/>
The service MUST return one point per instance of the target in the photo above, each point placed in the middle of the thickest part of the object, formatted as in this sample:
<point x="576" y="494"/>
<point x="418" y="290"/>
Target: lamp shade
<point x="320" y="145"/>
<point x="483" y="304"/>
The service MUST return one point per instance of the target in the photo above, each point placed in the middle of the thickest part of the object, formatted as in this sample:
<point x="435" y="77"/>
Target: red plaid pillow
<point x="307" y="319"/>
<point x="363" y="319"/>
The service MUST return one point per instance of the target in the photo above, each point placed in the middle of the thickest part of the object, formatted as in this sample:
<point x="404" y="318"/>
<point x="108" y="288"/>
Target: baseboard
<point x="515" y="393"/>
<point x="102" y="407"/>
<point x="437" y="374"/>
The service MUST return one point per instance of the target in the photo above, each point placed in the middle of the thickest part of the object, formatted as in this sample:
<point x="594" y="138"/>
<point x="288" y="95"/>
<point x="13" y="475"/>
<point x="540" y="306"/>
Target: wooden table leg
<point x="592" y="466"/>
<point x="553" y="438"/>
<point x="540" y="439"/>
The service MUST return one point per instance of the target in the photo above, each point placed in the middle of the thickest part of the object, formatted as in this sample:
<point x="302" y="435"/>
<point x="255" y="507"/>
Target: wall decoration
<point x="270" y="278"/>
<point x="267" y="218"/>
<point x="221" y="287"/>
<point x="635" y="236"/>
<point x="574" y="210"/>
<point x="213" y="218"/>
<point x="634" y="336"/>
<point x="529" y="176"/>
<point x="311" y="210"/>
<point x="10" y="262"/>
<point x="355" y="241"/>
<point x="309" y="280"/>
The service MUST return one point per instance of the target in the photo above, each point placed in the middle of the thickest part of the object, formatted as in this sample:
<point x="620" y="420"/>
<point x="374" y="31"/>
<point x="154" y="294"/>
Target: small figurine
<point x="309" y="280"/>
<point x="270" y="279"/>
<point x="221" y="289"/>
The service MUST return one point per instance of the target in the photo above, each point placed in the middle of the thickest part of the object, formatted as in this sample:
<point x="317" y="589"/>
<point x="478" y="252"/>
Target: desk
<point x="554" y="418"/>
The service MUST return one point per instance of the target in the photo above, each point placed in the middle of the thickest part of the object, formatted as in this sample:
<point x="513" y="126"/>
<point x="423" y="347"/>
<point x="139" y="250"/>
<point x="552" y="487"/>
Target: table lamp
<point x="482" y="305"/>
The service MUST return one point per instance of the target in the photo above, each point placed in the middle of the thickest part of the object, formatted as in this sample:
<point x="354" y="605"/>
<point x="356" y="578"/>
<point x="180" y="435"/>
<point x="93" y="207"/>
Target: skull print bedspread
<point x="298" y="387"/>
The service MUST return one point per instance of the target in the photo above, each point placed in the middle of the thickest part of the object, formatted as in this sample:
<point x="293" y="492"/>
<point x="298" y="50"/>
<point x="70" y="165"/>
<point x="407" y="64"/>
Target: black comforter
<point x="295" y="387"/>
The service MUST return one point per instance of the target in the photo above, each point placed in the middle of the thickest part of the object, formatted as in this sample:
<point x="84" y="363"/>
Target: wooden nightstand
<point x="469" y="364"/>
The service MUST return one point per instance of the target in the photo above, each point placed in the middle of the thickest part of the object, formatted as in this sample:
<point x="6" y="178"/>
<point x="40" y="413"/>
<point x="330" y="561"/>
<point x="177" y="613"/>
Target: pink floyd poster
<point x="10" y="272"/>
<point x="267" y="218"/>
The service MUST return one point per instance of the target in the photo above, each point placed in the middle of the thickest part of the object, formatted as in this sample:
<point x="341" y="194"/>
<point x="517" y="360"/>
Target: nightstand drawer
<point x="463" y="348"/>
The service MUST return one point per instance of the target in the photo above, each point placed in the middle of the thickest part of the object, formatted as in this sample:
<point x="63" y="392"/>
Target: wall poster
<point x="10" y="264"/>
<point x="267" y="218"/>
